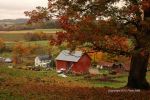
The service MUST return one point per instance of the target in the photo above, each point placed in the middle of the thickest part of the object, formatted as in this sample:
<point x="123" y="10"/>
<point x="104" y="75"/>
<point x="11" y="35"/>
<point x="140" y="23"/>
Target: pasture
<point x="18" y="84"/>
<point x="43" y="47"/>
<point x="21" y="84"/>
<point x="13" y="37"/>
<point x="19" y="35"/>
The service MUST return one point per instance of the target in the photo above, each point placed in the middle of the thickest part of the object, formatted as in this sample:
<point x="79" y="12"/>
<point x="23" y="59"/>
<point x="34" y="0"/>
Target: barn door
<point x="69" y="66"/>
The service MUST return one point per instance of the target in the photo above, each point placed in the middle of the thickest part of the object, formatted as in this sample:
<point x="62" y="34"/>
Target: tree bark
<point x="138" y="69"/>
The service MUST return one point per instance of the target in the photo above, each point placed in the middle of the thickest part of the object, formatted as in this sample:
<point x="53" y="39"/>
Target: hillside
<point x="13" y="21"/>
<point x="21" y="24"/>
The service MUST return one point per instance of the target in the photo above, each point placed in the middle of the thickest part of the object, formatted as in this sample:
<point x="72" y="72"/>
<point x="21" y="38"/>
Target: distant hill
<point x="21" y="24"/>
<point x="13" y="21"/>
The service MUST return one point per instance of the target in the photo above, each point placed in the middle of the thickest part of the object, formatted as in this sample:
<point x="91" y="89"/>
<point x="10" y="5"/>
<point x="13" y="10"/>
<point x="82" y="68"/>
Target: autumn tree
<point x="19" y="51"/>
<point x="22" y="50"/>
<point x="39" y="15"/>
<point x="107" y="27"/>
<point x="36" y="36"/>
<point x="2" y="45"/>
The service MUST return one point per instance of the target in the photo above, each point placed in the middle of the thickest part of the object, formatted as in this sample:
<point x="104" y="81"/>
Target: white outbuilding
<point x="43" y="61"/>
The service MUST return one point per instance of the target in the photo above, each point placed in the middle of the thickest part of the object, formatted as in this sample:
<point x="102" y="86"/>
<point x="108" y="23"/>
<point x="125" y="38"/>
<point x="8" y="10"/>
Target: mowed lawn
<point x="19" y="35"/>
<point x="18" y="84"/>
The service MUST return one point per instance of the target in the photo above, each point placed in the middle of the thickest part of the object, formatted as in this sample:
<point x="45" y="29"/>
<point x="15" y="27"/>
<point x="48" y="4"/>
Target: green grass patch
<point x="8" y="95"/>
<point x="19" y="35"/>
<point x="40" y="43"/>
<point x="31" y="31"/>
<point x="18" y="84"/>
<point x="25" y="73"/>
<point x="12" y="37"/>
<point x="109" y="84"/>
<point x="119" y="80"/>
<point x="103" y="71"/>
<point x="6" y="54"/>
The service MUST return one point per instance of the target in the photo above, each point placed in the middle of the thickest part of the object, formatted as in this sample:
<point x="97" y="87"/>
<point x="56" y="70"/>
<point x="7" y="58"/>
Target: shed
<point x="76" y="62"/>
<point x="43" y="61"/>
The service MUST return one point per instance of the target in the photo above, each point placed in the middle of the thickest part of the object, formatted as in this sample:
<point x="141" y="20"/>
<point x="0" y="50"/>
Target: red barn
<point x="76" y="62"/>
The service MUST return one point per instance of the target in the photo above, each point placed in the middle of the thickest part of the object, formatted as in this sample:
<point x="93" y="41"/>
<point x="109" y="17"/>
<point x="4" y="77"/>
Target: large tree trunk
<point x="138" y="69"/>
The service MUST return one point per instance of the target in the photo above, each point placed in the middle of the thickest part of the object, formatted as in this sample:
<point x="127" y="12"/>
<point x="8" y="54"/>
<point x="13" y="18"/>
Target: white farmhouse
<point x="43" y="61"/>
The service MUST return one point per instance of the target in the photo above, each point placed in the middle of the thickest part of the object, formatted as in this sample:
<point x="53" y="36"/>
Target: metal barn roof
<point x="65" y="55"/>
<point x="44" y="57"/>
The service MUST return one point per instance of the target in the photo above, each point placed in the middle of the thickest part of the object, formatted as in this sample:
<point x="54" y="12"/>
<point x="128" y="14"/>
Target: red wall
<point x="81" y="66"/>
<point x="61" y="64"/>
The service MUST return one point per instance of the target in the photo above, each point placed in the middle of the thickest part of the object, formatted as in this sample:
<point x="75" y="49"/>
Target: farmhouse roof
<point x="65" y="55"/>
<point x="44" y="57"/>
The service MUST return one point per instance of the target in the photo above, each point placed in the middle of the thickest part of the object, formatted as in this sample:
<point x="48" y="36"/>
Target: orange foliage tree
<point x="19" y="51"/>
<point x="22" y="50"/>
<point x="2" y="45"/>
<point x="107" y="28"/>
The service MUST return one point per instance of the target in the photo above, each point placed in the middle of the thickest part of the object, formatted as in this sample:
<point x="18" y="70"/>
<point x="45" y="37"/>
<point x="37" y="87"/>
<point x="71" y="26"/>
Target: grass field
<point x="13" y="37"/>
<point x="44" y="45"/>
<point x="41" y="43"/>
<point x="18" y="84"/>
<point x="19" y="35"/>
<point x="35" y="30"/>
<point x="119" y="80"/>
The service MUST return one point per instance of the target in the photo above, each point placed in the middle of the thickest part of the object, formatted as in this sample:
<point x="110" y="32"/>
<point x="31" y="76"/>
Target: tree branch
<point x="112" y="51"/>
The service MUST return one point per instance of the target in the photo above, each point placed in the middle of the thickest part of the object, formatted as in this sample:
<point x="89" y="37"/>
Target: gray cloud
<point x="11" y="14"/>
<point x="15" y="8"/>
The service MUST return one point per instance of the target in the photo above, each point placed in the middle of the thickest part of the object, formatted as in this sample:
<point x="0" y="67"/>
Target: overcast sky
<point x="12" y="9"/>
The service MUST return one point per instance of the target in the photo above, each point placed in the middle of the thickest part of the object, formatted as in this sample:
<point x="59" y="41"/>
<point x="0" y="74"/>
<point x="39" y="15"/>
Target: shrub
<point x="31" y="37"/>
<point x="22" y="50"/>
<point x="2" y="45"/>
<point x="36" y="36"/>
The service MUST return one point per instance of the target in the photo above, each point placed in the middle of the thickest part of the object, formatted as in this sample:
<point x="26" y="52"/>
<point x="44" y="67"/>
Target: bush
<point x="31" y="37"/>
<point x="2" y="45"/>
<point x="22" y="50"/>
<point x="36" y="36"/>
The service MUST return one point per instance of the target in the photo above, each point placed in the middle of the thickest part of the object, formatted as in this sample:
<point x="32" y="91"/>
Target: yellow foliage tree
<point x="2" y="45"/>
<point x="19" y="51"/>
